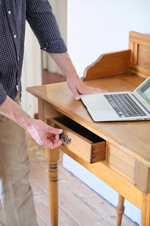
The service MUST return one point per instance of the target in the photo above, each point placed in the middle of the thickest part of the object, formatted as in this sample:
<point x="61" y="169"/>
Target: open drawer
<point x="81" y="141"/>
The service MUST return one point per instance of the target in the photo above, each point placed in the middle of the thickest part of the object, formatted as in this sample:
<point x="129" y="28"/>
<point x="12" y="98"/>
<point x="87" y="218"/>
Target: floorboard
<point x="78" y="204"/>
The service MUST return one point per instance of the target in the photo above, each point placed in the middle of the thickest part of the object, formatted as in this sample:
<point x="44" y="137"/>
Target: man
<point x="15" y="190"/>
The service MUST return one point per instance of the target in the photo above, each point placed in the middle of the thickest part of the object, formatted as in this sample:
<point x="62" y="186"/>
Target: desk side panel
<point x="113" y="179"/>
<point x="122" y="163"/>
<point x="142" y="177"/>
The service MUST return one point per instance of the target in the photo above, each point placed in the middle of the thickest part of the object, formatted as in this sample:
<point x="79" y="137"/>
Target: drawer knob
<point x="65" y="139"/>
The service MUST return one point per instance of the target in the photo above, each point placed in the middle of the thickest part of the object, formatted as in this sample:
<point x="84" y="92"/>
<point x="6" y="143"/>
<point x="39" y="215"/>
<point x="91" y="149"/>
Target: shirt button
<point x="15" y="36"/>
<point x="44" y="48"/>
<point x="9" y="12"/>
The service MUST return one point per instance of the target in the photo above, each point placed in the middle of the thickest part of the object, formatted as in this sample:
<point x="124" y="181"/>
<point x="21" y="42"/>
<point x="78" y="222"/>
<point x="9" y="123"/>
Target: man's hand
<point x="45" y="135"/>
<point x="75" y="83"/>
<point x="42" y="133"/>
<point x="77" y="87"/>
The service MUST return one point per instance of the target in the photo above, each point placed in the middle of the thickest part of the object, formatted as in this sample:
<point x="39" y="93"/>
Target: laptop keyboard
<point x="124" y="105"/>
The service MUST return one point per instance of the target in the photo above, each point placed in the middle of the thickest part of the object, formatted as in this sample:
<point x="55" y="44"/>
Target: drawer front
<point x="82" y="146"/>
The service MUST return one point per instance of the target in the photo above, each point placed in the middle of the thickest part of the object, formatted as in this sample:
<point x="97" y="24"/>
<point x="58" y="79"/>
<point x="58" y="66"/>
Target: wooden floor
<point x="78" y="204"/>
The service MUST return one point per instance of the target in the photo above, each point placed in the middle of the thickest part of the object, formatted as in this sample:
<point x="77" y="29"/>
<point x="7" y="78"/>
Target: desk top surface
<point x="131" y="137"/>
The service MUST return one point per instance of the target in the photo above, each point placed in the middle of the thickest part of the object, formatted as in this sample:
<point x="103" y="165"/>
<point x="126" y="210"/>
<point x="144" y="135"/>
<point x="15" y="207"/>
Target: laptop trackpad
<point x="99" y="105"/>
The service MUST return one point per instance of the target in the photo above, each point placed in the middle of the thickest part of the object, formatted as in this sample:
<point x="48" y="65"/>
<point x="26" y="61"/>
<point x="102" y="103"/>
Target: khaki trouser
<point x="15" y="190"/>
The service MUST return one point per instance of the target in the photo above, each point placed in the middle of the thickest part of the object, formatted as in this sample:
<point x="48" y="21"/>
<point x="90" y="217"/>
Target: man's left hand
<point x="77" y="87"/>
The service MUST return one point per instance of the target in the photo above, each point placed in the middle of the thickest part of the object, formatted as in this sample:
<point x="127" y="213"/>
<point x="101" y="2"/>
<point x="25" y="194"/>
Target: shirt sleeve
<point x="3" y="94"/>
<point x="44" y="25"/>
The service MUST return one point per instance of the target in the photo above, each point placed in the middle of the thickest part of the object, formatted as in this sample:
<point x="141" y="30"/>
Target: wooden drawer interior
<point x="84" y="143"/>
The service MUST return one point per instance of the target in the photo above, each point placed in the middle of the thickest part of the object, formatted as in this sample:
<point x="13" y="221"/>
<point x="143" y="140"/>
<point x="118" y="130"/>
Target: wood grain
<point x="146" y="210"/>
<point x="144" y="56"/>
<point x="45" y="111"/>
<point x="94" y="206"/>
<point x="139" y="44"/>
<point x="53" y="157"/>
<point x="121" y="161"/>
<point x="136" y="146"/>
<point x="142" y="177"/>
<point x="129" y="141"/>
<point x="89" y="147"/>
<point x="108" y="176"/>
<point x="120" y="210"/>
<point x="108" y="64"/>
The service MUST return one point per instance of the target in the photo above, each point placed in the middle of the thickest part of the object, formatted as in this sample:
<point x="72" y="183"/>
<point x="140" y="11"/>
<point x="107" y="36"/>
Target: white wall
<point x="32" y="68"/>
<point x="60" y="11"/>
<point x="96" y="27"/>
<point x="31" y="72"/>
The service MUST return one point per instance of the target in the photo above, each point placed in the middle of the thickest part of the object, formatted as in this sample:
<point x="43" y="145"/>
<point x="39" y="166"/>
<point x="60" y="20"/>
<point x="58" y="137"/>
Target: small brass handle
<point x="65" y="139"/>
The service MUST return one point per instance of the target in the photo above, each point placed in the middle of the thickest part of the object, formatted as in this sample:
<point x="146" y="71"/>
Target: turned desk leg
<point x="146" y="210"/>
<point x="53" y="156"/>
<point x="120" y="210"/>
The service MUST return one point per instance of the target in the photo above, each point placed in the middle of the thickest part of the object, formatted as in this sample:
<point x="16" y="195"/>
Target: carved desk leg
<point x="120" y="210"/>
<point x="146" y="210"/>
<point x="53" y="156"/>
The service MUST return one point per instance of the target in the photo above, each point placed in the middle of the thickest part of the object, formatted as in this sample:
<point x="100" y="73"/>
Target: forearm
<point x="14" y="112"/>
<point x="65" y="64"/>
<point x="75" y="84"/>
<point x="42" y="133"/>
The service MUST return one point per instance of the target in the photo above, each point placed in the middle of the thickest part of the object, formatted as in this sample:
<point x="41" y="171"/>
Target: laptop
<point x="120" y="106"/>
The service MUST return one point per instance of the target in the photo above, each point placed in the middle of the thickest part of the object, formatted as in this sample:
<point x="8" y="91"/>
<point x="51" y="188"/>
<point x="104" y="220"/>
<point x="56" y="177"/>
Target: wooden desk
<point x="116" y="152"/>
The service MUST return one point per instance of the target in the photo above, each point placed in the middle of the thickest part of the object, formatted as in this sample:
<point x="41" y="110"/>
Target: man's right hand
<point x="42" y="133"/>
<point x="45" y="135"/>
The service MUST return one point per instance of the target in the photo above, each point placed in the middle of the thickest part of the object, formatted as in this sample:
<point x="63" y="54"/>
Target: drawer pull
<point x="80" y="141"/>
<point x="65" y="139"/>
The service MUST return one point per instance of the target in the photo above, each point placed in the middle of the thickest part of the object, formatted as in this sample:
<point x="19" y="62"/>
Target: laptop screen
<point x="144" y="91"/>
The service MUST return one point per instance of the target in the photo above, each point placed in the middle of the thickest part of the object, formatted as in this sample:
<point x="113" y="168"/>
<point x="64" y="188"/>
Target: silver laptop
<point x="120" y="106"/>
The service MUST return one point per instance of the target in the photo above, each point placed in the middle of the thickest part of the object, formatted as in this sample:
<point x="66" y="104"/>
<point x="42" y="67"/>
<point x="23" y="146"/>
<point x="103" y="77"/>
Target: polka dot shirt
<point x="13" y="14"/>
